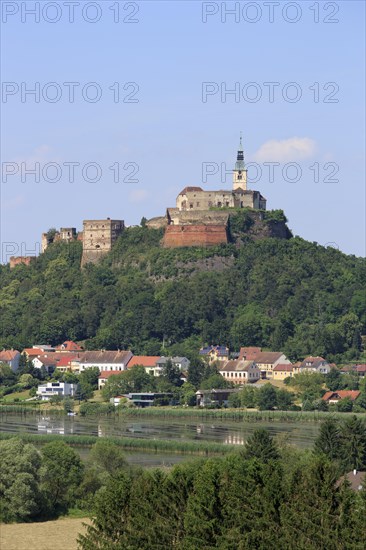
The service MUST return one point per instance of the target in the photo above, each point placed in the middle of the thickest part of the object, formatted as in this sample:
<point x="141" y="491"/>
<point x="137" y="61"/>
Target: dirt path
<point x="49" y="535"/>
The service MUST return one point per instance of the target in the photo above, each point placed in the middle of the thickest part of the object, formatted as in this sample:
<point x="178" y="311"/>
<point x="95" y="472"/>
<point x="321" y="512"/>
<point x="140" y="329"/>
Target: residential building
<point x="51" y="389"/>
<point x="268" y="360"/>
<point x="65" y="362"/>
<point x="52" y="360"/>
<point x="104" y="377"/>
<point x="105" y="360"/>
<point x="69" y="345"/>
<point x="315" y="364"/>
<point x="146" y="361"/>
<point x="280" y="372"/>
<point x="214" y="353"/>
<point x="181" y="363"/>
<point x="46" y="360"/>
<point x="240" y="372"/>
<point x="10" y="357"/>
<point x="335" y="396"/>
<point x="214" y="397"/>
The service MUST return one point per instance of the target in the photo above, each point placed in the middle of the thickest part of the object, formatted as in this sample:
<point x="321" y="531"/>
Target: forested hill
<point x="289" y="295"/>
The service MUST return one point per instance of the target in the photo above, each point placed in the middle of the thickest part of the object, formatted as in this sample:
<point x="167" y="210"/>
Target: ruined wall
<point x="18" y="260"/>
<point x="194" y="235"/>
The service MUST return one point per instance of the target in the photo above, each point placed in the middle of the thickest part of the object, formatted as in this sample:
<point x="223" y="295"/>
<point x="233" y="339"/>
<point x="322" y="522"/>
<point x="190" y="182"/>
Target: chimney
<point x="354" y="472"/>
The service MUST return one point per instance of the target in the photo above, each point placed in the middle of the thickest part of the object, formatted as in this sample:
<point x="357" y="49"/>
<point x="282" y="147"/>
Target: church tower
<point x="240" y="172"/>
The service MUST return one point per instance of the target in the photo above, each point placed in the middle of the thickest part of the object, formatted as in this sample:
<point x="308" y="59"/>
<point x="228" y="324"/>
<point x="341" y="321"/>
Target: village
<point x="54" y="366"/>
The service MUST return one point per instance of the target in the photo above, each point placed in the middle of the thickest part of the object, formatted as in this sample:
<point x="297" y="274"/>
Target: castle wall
<point x="194" y="235"/>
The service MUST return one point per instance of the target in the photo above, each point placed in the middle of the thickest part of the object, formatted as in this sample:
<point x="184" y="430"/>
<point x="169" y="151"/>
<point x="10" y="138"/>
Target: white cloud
<point x="285" y="150"/>
<point x="138" y="195"/>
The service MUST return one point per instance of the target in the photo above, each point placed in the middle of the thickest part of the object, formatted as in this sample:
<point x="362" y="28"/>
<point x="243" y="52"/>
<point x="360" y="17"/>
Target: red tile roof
<point x="249" y="353"/>
<point x="65" y="360"/>
<point x="8" y="354"/>
<point x="361" y="368"/>
<point x="144" y="360"/>
<point x="282" y="367"/>
<point x="33" y="351"/>
<point x="69" y="345"/>
<point x="341" y="394"/>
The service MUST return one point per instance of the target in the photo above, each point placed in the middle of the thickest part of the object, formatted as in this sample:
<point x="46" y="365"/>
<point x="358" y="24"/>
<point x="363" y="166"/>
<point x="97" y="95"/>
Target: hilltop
<point x="282" y="293"/>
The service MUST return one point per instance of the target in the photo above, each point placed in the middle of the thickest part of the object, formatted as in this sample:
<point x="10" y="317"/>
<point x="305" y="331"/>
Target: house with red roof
<point x="282" y="371"/>
<point x="68" y="345"/>
<point x="335" y="396"/>
<point x="10" y="357"/>
<point x="268" y="360"/>
<point x="149" y="362"/>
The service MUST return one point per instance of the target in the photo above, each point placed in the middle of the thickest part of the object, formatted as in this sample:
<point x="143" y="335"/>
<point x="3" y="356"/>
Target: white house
<point x="105" y="360"/>
<point x="10" y="357"/>
<point x="63" y="389"/>
<point x="182" y="363"/>
<point x="239" y="371"/>
<point x="315" y="364"/>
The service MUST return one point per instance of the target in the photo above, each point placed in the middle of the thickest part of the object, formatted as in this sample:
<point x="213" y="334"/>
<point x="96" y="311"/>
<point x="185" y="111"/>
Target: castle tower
<point x="99" y="237"/>
<point x="240" y="172"/>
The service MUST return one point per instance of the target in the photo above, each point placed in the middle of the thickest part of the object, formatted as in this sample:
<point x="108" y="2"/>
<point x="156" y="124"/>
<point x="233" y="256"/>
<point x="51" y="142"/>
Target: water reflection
<point x="231" y="433"/>
<point x="47" y="425"/>
<point x="233" y="439"/>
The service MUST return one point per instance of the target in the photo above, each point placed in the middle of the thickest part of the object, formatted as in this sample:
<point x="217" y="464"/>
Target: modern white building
<point x="63" y="389"/>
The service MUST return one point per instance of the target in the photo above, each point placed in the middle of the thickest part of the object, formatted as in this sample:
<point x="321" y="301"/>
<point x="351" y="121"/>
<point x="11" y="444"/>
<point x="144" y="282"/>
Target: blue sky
<point x="169" y="133"/>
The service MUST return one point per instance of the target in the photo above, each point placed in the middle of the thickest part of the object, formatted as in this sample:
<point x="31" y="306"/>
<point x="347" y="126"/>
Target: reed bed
<point x="131" y="443"/>
<point x="236" y="415"/>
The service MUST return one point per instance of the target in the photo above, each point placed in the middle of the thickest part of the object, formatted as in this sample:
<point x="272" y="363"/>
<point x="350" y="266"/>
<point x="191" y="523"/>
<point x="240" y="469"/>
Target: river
<point x="301" y="434"/>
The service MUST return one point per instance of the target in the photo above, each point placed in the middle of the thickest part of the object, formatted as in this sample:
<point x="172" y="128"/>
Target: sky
<point x="133" y="101"/>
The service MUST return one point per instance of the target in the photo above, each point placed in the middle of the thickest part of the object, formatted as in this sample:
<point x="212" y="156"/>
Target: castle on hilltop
<point x="199" y="218"/>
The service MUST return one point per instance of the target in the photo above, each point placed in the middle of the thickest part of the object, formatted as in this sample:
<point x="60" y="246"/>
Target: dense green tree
<point x="172" y="374"/>
<point x="20" y="495"/>
<point x="260" y="445"/>
<point x="329" y="439"/>
<point x="107" y="457"/>
<point x="202" y="522"/>
<point x="61" y="474"/>
<point x="107" y="530"/>
<point x="267" y="397"/>
<point x="353" y="443"/>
